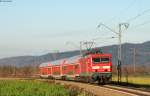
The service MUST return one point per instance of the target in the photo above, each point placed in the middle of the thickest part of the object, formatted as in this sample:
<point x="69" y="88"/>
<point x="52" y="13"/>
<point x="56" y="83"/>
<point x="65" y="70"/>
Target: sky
<point x="36" y="27"/>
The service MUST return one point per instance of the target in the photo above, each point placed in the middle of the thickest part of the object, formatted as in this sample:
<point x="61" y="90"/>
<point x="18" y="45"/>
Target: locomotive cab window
<point x="100" y="60"/>
<point x="96" y="60"/>
<point x="103" y="60"/>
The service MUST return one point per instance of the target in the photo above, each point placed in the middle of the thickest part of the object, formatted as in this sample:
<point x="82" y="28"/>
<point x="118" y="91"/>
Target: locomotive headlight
<point x="106" y="67"/>
<point x="95" y="67"/>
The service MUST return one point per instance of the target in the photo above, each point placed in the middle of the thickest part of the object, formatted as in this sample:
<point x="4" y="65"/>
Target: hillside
<point x="142" y="55"/>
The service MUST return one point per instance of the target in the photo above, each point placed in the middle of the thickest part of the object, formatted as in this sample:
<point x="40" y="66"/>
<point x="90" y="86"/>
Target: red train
<point x="92" y="67"/>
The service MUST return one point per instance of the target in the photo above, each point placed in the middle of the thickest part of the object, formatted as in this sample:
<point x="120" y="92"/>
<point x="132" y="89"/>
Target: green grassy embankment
<point x="30" y="88"/>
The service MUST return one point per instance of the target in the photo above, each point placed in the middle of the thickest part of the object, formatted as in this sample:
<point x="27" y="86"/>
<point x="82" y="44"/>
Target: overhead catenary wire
<point x="122" y="11"/>
<point x="138" y="15"/>
<point x="142" y="24"/>
<point x="134" y="17"/>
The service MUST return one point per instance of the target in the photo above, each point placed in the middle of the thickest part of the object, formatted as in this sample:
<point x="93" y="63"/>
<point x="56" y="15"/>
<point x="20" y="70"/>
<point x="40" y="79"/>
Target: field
<point x="141" y="80"/>
<point x="30" y="88"/>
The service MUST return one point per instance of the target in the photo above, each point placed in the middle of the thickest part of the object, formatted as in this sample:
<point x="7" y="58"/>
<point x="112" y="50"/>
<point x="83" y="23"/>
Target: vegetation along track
<point x="103" y="90"/>
<point x="96" y="90"/>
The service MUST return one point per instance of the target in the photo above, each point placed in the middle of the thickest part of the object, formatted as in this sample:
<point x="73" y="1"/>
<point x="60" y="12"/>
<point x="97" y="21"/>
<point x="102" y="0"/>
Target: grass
<point x="141" y="80"/>
<point x="30" y="88"/>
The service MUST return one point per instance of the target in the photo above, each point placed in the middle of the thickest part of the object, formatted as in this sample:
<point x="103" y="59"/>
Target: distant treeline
<point x="33" y="71"/>
<point x="13" y="71"/>
<point x="130" y="70"/>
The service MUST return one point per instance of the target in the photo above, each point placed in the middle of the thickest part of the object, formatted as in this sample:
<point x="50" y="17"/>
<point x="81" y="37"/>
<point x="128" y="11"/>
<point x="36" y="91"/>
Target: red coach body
<point x="91" y="67"/>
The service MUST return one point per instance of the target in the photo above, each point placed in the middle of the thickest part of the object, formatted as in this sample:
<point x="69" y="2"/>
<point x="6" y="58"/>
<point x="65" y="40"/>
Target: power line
<point x="130" y="5"/>
<point x="139" y="15"/>
<point x="123" y="10"/>
<point x="139" y="25"/>
<point x="119" y="34"/>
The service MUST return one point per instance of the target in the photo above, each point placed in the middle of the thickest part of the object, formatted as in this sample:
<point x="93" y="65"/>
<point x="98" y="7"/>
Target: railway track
<point x="128" y="90"/>
<point x="105" y="90"/>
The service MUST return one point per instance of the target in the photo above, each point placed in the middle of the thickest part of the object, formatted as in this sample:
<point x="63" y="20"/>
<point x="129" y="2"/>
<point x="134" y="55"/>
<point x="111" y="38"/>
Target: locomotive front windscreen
<point x="100" y="60"/>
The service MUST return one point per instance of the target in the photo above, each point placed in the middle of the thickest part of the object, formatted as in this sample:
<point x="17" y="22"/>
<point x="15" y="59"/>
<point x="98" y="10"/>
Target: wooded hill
<point x="142" y="55"/>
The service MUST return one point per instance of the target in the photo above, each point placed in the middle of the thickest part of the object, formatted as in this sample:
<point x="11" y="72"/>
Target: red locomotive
<point x="94" y="66"/>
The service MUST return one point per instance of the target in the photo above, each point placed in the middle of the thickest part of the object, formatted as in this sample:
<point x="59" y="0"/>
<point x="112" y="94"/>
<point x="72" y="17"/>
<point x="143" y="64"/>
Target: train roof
<point x="60" y="61"/>
<point x="69" y="60"/>
<point x="44" y="64"/>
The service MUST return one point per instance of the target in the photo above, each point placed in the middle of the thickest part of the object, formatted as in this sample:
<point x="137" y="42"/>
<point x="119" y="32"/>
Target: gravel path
<point x="97" y="90"/>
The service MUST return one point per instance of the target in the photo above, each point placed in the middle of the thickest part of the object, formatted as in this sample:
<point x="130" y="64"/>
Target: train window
<point x="64" y="67"/>
<point x="104" y="59"/>
<point x="43" y="73"/>
<point x="76" y="66"/>
<point x="96" y="60"/>
<point x="49" y="69"/>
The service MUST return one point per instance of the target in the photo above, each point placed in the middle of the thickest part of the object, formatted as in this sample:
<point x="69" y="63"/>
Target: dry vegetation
<point x="141" y="75"/>
<point x="129" y="70"/>
<point x="11" y="71"/>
